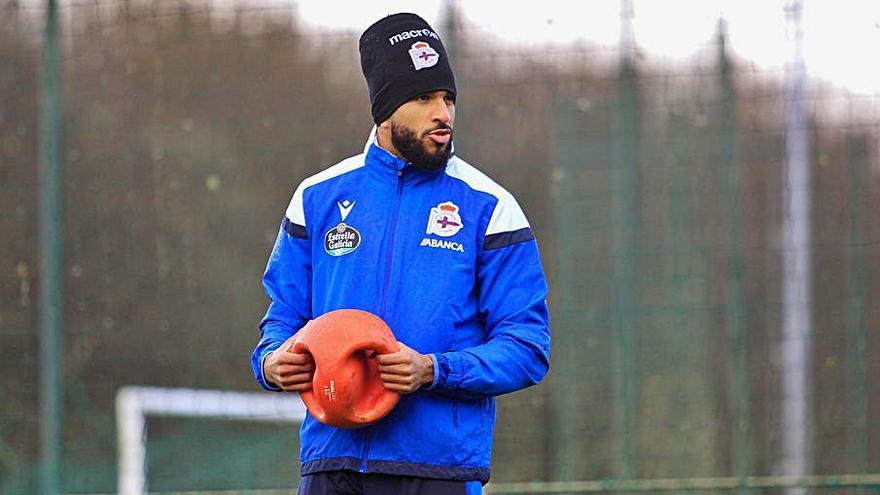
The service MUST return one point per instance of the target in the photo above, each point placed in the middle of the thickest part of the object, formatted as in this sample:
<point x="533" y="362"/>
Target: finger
<point x="293" y="369"/>
<point x="396" y="358"/>
<point x="300" y="387"/>
<point x="403" y="379"/>
<point x="296" y="379"/>
<point x="286" y="358"/>
<point x="396" y="369"/>
<point x="295" y="358"/>
<point x="287" y="363"/>
<point x="399" y="388"/>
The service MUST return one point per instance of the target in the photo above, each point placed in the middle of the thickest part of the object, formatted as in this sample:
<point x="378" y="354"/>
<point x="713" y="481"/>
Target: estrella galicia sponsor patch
<point x="341" y="240"/>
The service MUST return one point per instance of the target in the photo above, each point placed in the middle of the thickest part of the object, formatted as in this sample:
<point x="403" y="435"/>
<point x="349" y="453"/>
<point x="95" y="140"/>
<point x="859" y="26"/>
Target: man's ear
<point x="386" y="124"/>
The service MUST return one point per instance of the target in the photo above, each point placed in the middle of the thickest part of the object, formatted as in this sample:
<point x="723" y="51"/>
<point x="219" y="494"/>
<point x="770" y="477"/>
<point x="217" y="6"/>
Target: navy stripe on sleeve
<point x="295" y="230"/>
<point x="504" y="239"/>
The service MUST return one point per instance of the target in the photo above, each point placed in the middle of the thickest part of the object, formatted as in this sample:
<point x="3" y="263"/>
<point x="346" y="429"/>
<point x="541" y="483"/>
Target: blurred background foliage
<point x="655" y="192"/>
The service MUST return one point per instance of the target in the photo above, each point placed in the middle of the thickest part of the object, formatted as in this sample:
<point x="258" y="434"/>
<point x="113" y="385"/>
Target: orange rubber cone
<point x="346" y="388"/>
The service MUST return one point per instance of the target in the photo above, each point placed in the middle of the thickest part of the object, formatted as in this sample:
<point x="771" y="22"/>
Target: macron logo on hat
<point x="412" y="33"/>
<point x="423" y="55"/>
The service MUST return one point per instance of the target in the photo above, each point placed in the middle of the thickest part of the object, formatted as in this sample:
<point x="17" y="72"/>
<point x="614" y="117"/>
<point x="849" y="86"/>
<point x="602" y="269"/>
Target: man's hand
<point x="290" y="371"/>
<point x="405" y="371"/>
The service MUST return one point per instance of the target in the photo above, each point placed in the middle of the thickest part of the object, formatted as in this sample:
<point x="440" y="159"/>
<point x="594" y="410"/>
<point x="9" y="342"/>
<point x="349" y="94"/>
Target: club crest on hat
<point x="423" y="56"/>
<point x="444" y="220"/>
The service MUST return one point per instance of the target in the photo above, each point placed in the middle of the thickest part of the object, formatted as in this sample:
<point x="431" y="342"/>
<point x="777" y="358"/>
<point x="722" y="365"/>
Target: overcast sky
<point x="841" y="37"/>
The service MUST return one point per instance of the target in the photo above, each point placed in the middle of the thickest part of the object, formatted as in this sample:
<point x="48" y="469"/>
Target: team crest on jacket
<point x="342" y="239"/>
<point x="444" y="220"/>
<point x="423" y="56"/>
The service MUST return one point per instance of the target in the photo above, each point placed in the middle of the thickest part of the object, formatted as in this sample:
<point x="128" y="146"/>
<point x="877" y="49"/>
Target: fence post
<point x="51" y="279"/>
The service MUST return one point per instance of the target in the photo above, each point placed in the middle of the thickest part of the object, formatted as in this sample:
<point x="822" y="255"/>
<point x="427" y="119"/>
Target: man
<point x="444" y="255"/>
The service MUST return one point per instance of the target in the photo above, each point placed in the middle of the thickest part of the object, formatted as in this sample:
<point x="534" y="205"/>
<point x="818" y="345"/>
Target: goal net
<point x="135" y="404"/>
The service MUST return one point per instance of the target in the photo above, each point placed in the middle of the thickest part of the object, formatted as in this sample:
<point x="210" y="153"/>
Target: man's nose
<point x="440" y="111"/>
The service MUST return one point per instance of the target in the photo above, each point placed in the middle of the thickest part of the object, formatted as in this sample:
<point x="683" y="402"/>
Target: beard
<point x="430" y="156"/>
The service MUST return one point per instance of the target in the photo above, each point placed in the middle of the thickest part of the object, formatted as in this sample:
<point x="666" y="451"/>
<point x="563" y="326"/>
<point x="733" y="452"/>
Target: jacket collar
<point x="382" y="161"/>
<point x="379" y="157"/>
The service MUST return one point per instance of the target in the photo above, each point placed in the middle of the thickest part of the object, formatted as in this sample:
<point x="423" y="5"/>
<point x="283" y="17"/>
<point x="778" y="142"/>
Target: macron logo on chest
<point x="345" y="208"/>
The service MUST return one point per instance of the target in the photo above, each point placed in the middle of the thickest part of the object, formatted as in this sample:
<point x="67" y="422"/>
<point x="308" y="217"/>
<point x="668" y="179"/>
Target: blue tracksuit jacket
<point x="448" y="260"/>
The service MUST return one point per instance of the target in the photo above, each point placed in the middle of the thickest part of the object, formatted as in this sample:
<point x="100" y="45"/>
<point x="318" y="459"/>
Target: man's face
<point x="421" y="129"/>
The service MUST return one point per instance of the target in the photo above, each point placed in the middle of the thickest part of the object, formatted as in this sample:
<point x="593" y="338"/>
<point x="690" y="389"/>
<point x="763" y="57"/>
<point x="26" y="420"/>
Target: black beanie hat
<point x="402" y="57"/>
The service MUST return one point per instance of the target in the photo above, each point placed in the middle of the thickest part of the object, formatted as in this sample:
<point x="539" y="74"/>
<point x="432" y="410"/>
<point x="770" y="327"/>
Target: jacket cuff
<point x="441" y="370"/>
<point x="436" y="372"/>
<point x="259" y="372"/>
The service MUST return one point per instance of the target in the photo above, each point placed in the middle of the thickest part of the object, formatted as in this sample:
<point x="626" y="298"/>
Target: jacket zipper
<point x="389" y="257"/>
<point x="368" y="435"/>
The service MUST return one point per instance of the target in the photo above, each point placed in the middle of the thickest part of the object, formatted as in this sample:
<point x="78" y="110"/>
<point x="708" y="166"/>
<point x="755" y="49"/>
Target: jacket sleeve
<point x="288" y="284"/>
<point x="513" y="307"/>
